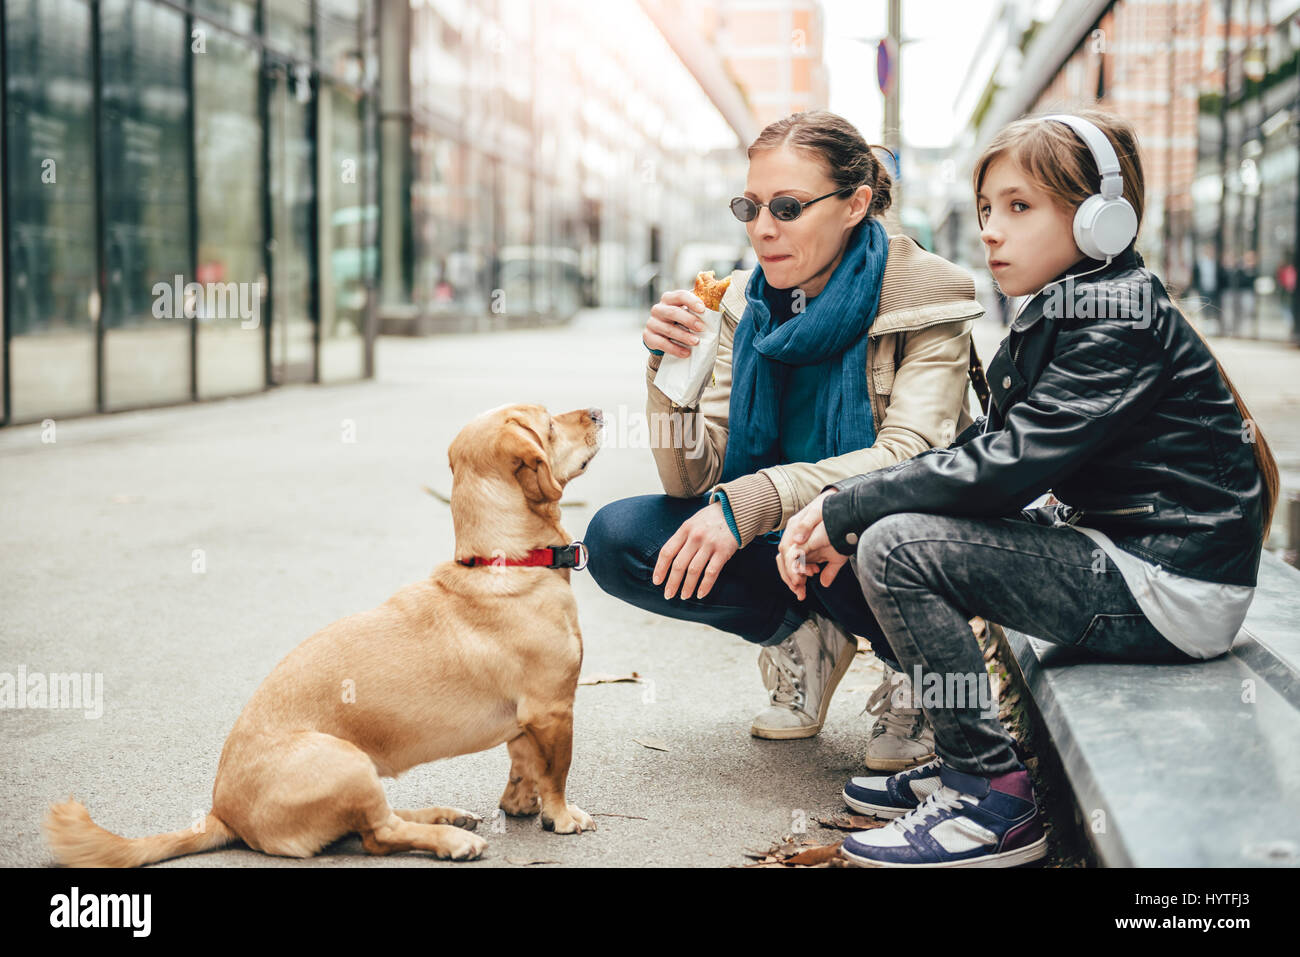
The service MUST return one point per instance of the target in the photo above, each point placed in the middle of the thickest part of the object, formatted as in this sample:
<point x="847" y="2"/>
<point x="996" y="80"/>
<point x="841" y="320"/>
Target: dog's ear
<point x="533" y="468"/>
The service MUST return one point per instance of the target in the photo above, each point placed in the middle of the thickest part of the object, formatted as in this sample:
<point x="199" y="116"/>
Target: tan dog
<point x="468" y="659"/>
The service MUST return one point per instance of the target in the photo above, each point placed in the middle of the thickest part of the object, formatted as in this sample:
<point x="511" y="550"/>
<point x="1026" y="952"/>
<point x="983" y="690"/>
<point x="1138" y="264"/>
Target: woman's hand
<point x="704" y="543"/>
<point x="671" y="322"/>
<point x="806" y="550"/>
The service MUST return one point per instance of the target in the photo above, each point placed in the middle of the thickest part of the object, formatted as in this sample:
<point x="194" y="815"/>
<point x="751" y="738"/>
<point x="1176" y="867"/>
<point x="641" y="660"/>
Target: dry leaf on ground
<point x="786" y="853"/>
<point x="603" y="679"/>
<point x="655" y="744"/>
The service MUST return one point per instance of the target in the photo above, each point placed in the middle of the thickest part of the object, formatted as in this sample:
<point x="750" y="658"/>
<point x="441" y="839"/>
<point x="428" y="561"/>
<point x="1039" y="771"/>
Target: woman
<point x="844" y="351"/>
<point x="1104" y="394"/>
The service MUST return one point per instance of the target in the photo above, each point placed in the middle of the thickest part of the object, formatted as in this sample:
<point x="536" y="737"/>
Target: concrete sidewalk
<point x="298" y="528"/>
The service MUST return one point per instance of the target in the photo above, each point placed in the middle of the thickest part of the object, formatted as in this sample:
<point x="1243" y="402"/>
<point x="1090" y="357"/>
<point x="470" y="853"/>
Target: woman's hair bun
<point x="839" y="145"/>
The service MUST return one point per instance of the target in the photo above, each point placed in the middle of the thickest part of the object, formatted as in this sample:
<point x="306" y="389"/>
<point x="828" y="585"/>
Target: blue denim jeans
<point x="748" y="597"/>
<point x="925" y="576"/>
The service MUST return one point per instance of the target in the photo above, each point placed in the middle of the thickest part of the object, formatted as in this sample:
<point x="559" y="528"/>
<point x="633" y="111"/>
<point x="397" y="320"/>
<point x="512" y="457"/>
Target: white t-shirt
<point x="1198" y="617"/>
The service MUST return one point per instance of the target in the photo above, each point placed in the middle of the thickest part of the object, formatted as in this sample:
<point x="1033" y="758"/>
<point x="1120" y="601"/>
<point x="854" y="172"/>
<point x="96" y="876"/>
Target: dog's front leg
<point x="521" y="797"/>
<point x="551" y="734"/>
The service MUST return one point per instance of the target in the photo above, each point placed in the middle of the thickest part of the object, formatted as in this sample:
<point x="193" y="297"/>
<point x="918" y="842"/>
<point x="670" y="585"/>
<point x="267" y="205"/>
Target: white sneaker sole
<point x="786" y="734"/>
<point x="1021" y="855"/>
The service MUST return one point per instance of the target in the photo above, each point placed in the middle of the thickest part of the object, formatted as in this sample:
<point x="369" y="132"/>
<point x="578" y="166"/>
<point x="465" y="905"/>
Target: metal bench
<point x="1192" y="765"/>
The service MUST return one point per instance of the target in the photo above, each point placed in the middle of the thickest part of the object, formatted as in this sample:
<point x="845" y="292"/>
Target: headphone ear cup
<point x="1104" y="227"/>
<point x="1084" y="217"/>
<point x="1115" y="226"/>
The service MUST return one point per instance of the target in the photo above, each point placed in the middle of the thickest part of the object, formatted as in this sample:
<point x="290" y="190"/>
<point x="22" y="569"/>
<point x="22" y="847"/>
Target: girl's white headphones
<point x="1105" y="224"/>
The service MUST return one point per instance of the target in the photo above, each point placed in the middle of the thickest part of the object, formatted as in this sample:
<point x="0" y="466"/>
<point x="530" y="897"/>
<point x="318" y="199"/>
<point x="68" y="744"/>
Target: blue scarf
<point x="830" y="333"/>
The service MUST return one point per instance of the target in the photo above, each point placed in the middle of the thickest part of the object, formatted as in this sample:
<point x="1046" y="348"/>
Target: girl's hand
<point x="671" y="322"/>
<point x="704" y="544"/>
<point x="805" y="550"/>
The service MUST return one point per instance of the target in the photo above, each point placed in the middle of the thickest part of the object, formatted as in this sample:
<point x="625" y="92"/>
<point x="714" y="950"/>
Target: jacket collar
<point x="1087" y="270"/>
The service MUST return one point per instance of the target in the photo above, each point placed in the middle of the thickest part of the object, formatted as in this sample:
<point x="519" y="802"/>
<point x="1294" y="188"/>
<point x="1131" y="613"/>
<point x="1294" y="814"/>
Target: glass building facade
<point x="1240" y="240"/>
<point x="206" y="198"/>
<point x="545" y="156"/>
<point x="189" y="208"/>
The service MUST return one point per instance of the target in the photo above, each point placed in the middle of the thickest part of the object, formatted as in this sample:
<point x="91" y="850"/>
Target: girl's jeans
<point x="925" y="576"/>
<point x="748" y="597"/>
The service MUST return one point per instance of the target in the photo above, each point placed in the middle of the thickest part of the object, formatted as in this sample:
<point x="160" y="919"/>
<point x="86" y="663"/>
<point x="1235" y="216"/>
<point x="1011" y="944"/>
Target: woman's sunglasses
<point x="784" y="208"/>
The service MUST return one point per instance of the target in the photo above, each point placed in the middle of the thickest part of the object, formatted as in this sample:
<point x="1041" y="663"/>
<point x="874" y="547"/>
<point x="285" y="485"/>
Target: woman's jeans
<point x="925" y="576"/>
<point x="748" y="598"/>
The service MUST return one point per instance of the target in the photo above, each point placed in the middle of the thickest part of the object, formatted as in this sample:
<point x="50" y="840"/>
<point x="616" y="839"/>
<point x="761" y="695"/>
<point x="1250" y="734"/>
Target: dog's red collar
<point x="573" y="555"/>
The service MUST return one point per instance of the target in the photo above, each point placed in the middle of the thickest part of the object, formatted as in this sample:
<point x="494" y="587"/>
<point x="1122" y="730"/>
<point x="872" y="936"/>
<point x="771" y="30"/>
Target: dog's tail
<point x="77" y="841"/>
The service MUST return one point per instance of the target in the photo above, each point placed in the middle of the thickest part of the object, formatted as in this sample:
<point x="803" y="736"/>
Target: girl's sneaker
<point x="970" y="821"/>
<point x="895" y="795"/>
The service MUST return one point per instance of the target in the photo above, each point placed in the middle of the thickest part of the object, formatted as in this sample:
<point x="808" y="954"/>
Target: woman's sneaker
<point x="895" y="795"/>
<point x="801" y="674"/>
<point x="970" y="821"/>
<point x="902" y="736"/>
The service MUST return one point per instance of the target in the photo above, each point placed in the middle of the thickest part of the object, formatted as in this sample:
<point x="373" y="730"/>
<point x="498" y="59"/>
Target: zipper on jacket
<point x="1078" y="513"/>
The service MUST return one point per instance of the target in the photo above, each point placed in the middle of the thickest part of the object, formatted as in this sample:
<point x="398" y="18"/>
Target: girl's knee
<point x="881" y="542"/>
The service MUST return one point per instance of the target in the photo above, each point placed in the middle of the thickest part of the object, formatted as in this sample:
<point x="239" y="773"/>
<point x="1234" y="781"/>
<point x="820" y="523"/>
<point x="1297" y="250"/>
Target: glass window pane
<point x="144" y="146"/>
<point x="51" y="201"/>
<point x="288" y="25"/>
<point x="338" y="24"/>
<point x="228" y="157"/>
<point x="346" y="254"/>
<point x="240" y="15"/>
<point x="291" y="109"/>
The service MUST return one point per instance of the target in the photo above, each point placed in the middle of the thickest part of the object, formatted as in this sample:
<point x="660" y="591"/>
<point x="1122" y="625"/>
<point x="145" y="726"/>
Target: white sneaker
<point x="902" y="736"/>
<point x="801" y="674"/>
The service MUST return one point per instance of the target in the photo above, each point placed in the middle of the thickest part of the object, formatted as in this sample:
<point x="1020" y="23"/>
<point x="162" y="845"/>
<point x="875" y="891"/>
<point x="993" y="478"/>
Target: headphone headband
<point x="1112" y="184"/>
<point x="1105" y="223"/>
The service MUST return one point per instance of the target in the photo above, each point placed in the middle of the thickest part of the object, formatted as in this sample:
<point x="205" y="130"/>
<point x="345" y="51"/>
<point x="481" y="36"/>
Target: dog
<point x="470" y="658"/>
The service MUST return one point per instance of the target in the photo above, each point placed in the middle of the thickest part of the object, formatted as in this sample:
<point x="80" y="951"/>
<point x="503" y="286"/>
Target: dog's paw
<point x="573" y="820"/>
<point x="518" y="805"/>
<point x="462" y="846"/>
<point x="466" y="819"/>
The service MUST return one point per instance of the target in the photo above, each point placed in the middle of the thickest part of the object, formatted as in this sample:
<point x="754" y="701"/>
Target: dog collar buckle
<point x="574" y="555"/>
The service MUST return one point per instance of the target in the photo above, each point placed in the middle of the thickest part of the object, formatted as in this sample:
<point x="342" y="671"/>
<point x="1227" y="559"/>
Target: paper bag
<point x="684" y="380"/>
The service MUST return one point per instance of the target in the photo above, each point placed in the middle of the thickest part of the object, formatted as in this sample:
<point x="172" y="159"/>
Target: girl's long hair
<point x="1060" y="164"/>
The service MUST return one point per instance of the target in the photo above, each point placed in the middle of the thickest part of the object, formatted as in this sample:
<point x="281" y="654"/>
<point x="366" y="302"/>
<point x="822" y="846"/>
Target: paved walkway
<point x="299" y="528"/>
<point x="296" y="527"/>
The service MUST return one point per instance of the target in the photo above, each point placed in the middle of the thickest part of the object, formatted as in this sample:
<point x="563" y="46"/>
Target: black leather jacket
<point x="1105" y="395"/>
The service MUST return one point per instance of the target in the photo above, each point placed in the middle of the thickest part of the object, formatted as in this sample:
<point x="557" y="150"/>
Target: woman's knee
<point x="611" y="545"/>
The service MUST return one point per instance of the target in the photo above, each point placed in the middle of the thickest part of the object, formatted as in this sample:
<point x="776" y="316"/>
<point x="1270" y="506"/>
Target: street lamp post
<point x="1295" y="238"/>
<point x="893" y="133"/>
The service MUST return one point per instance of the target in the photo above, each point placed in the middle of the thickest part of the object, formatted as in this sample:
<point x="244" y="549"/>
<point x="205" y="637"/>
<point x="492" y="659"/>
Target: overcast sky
<point x="932" y="67"/>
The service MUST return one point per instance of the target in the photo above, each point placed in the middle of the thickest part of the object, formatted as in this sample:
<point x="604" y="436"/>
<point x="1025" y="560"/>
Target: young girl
<point x="1102" y="393"/>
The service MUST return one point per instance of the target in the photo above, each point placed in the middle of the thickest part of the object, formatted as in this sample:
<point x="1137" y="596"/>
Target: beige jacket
<point x="918" y="351"/>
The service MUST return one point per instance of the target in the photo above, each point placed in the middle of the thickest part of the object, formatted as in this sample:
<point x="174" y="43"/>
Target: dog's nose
<point x="597" y="416"/>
